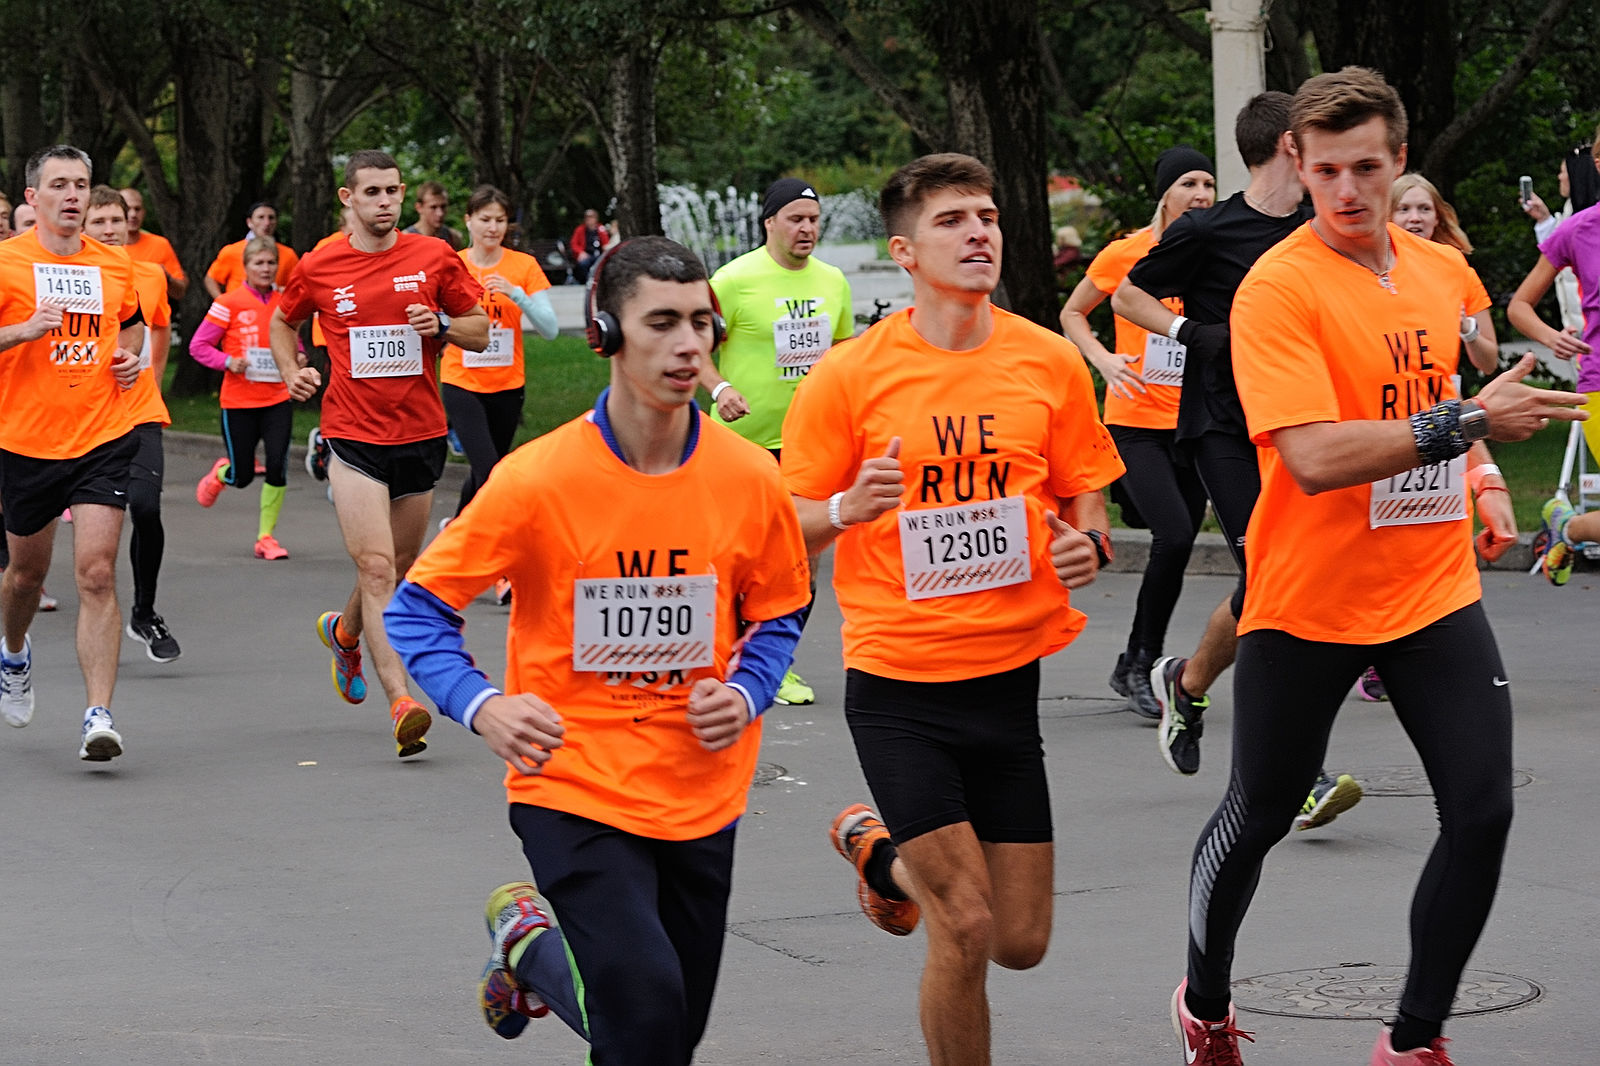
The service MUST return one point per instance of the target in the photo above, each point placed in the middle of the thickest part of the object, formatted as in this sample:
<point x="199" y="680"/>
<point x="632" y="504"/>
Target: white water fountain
<point x="719" y="226"/>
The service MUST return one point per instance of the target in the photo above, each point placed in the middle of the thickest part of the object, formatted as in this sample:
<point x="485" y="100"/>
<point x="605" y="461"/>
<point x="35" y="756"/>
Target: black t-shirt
<point x="1202" y="257"/>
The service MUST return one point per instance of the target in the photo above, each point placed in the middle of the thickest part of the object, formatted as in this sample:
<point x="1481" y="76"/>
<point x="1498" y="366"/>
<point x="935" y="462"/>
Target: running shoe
<point x="16" y="687"/>
<point x="514" y="911"/>
<point x="454" y="442"/>
<point x="445" y="521"/>
<point x="1206" y="1043"/>
<point x="210" y="485"/>
<point x="347" y="679"/>
<point x="411" y="721"/>
<point x="1555" y="562"/>
<point x="66" y="516"/>
<point x="502" y="591"/>
<point x="1370" y="687"/>
<point x="316" y="454"/>
<point x="1119" y="675"/>
<point x="157" y="639"/>
<point x="47" y="602"/>
<point x="794" y="692"/>
<point x="1329" y="798"/>
<point x="1181" y="724"/>
<point x="268" y="548"/>
<point x="101" y="741"/>
<point x="855" y="833"/>
<point x="1141" y="688"/>
<point x="1384" y="1054"/>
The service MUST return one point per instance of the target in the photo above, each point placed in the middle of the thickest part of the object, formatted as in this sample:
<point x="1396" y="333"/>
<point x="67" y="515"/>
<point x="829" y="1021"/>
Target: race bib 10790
<point x="632" y="623"/>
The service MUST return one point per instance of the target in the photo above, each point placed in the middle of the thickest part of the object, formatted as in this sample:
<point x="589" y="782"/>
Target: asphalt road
<point x="260" y="880"/>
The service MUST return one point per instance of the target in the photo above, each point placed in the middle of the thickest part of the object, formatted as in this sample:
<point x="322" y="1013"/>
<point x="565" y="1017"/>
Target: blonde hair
<point x="1448" y="230"/>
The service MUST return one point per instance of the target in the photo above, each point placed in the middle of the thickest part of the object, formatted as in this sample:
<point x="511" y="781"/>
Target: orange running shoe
<point x="269" y="548"/>
<point x="211" y="486"/>
<point x="855" y="833"/>
<point x="411" y="721"/>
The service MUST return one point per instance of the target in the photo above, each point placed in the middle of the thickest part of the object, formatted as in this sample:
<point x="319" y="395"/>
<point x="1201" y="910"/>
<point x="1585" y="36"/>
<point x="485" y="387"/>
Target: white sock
<point x="8" y="654"/>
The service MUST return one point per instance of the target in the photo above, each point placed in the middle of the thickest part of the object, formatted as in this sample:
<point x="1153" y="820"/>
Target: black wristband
<point x="1437" y="432"/>
<point x="1102" y="547"/>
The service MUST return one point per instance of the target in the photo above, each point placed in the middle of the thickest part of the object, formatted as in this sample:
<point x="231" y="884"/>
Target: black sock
<point x="878" y="875"/>
<point x="1408" y="1032"/>
<point x="1208" y="1010"/>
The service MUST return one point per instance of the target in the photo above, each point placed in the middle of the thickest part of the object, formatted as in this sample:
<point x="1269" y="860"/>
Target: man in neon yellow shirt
<point x="784" y="309"/>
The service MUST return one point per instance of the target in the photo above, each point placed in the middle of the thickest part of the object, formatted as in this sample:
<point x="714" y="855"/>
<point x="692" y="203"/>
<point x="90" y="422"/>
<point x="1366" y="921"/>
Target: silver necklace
<point x="1253" y="202"/>
<point x="1388" y="255"/>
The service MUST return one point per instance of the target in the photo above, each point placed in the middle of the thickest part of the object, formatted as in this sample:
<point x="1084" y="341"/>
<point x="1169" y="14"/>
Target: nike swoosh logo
<point x="1498" y="683"/>
<point x="1190" y="1053"/>
<point x="646" y="718"/>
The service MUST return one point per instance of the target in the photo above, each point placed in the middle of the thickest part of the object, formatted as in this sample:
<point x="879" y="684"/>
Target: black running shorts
<point x="34" y="492"/>
<point x="937" y="753"/>
<point x="407" y="469"/>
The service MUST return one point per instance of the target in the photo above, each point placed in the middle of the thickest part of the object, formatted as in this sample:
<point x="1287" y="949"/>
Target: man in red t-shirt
<point x="387" y="301"/>
<point x="588" y="241"/>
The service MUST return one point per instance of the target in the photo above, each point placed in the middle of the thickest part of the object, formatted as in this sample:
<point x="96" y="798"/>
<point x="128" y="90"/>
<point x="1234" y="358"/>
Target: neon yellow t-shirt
<point x="780" y="322"/>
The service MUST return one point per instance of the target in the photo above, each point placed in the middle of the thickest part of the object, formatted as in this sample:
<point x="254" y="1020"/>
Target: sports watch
<point x="1474" y="421"/>
<point x="444" y="323"/>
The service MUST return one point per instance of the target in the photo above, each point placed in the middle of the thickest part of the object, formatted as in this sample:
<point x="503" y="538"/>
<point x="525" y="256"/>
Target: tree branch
<point x="1176" y="28"/>
<point x="833" y="32"/>
<point x="1533" y="48"/>
<point x="132" y="124"/>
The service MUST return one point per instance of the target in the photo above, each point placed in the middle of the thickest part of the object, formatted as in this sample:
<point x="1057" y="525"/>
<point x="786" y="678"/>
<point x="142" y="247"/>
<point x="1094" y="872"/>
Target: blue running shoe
<point x="514" y="911"/>
<point x="347" y="679"/>
<point x="1555" y="562"/>
<point x="455" y="442"/>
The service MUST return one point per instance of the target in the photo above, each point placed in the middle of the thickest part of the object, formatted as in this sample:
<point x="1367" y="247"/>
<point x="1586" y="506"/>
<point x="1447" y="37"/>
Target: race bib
<point x="501" y="350"/>
<point x="260" y="366"/>
<point x="1163" y="360"/>
<point x="801" y="341"/>
<point x="1432" y="493"/>
<point x="385" y="352"/>
<point x="631" y="623"/>
<point x="69" y="286"/>
<point x="950" y="551"/>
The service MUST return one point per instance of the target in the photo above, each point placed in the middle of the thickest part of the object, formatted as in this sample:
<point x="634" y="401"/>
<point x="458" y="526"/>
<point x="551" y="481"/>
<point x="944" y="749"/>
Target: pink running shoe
<point x="269" y="548"/>
<point x="1384" y="1054"/>
<point x="1206" y="1043"/>
<point x="1371" y="687"/>
<point x="210" y="485"/>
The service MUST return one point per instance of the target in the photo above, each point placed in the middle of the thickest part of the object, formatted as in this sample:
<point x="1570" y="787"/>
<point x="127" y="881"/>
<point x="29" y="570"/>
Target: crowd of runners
<point x="1289" y="355"/>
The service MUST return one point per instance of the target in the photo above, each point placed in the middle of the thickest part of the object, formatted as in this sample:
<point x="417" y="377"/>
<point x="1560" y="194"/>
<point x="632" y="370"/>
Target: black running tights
<point x="1232" y="477"/>
<point x="485" y="424"/>
<point x="1450" y="692"/>
<point x="1169" y="495"/>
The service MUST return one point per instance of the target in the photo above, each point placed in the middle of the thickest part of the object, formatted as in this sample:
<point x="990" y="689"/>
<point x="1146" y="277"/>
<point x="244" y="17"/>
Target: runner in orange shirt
<point x="227" y="271"/>
<point x="234" y="337"/>
<point x="107" y="222"/>
<point x="954" y="452"/>
<point x="152" y="247"/>
<point x="646" y="639"/>
<point x="387" y="301"/>
<point x="1345" y="337"/>
<point x="1144" y="378"/>
<point x="483" y="391"/>
<point x="70" y="334"/>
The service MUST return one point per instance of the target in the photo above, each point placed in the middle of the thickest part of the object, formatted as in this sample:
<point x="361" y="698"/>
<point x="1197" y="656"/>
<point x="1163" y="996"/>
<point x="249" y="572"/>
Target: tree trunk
<point x="311" y="188"/>
<point x="988" y="52"/>
<point x="631" y="138"/>
<point x="23" y="123"/>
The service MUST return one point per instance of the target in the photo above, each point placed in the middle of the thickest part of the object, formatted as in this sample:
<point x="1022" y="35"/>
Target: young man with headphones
<point x="647" y="635"/>
<point x="784" y="308"/>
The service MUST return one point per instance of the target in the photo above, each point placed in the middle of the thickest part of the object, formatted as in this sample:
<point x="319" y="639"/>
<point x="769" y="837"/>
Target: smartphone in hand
<point x="1524" y="189"/>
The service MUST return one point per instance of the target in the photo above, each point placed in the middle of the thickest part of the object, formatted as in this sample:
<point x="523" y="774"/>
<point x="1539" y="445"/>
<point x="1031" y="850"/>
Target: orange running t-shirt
<point x="498" y="367"/>
<point x="1013" y="418"/>
<point x="628" y="758"/>
<point x="58" y="395"/>
<point x="227" y="269"/>
<point x="1316" y="338"/>
<point x="244" y="316"/>
<point x="395" y="398"/>
<point x="1156" y="408"/>
<point x="144" y="399"/>
<point x="154" y="248"/>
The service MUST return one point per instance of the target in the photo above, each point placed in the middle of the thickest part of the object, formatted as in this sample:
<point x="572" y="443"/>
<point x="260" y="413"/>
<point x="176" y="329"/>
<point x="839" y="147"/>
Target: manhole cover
<point x="1410" y="780"/>
<point x="766" y="773"/>
<point x="1371" y="992"/>
<point x="1079" y="706"/>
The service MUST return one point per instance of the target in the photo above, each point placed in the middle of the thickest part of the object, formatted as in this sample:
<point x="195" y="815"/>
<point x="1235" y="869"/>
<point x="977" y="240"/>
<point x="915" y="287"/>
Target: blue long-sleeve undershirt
<point x="537" y="311"/>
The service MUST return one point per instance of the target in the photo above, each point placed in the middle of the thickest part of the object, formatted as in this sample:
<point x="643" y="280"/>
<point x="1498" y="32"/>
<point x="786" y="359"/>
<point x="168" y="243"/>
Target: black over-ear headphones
<point x="604" y="332"/>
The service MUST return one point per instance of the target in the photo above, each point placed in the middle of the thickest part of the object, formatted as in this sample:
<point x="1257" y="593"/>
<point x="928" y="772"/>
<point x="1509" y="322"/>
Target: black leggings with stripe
<point x="1450" y="692"/>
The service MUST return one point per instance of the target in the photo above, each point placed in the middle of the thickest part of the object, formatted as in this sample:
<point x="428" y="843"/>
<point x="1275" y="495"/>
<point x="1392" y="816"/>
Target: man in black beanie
<point x="784" y="308"/>
<point x="1203" y="257"/>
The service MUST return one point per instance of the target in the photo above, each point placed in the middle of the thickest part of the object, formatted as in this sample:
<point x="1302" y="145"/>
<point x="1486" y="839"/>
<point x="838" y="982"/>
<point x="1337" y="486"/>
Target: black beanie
<point x="1175" y="162"/>
<point x="782" y="192"/>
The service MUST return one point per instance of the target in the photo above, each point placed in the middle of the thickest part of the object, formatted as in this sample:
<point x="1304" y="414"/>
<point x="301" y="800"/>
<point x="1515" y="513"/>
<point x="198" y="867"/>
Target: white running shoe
<point x="101" y="741"/>
<point x="16" y="688"/>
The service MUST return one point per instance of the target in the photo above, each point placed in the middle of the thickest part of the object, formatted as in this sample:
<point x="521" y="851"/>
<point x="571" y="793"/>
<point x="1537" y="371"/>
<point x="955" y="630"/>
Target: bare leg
<point x="1584" y="527"/>
<point x="1216" y="652"/>
<point x="24" y="580"/>
<point x="96" y="531"/>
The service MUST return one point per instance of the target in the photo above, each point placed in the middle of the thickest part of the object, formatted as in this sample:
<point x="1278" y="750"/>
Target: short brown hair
<point x="907" y="188"/>
<point x="616" y="276"/>
<point x="429" y="189"/>
<point x="484" y="195"/>
<point x="105" y="196"/>
<point x="367" y="159"/>
<point x="1260" y="123"/>
<point x="1346" y="99"/>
